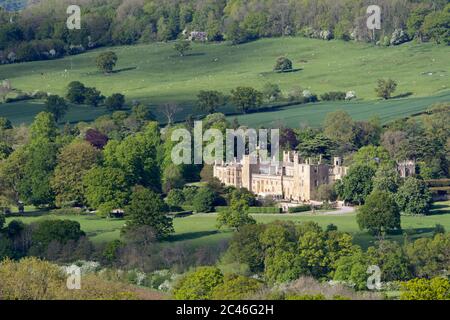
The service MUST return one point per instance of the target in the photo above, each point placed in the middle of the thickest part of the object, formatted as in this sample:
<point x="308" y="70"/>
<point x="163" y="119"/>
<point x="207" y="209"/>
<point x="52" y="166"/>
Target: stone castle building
<point x="293" y="179"/>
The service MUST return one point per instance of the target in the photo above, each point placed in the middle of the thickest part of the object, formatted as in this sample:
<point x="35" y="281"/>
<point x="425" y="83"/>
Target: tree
<point x="198" y="284"/>
<point x="236" y="287"/>
<point x="204" y="200"/>
<point x="283" y="64"/>
<point x="138" y="157"/>
<point x="353" y="269"/>
<point x="93" y="97"/>
<point x="413" y="197"/>
<point x="62" y="231"/>
<point x="76" y="92"/>
<point x="175" y="198"/>
<point x="386" y="88"/>
<point x="56" y="106"/>
<point x="96" y="138"/>
<point x="426" y="289"/>
<point x="271" y="91"/>
<point x="146" y="208"/>
<point x="182" y="47"/>
<point x="209" y="101"/>
<point x="236" y="216"/>
<point x="106" y="189"/>
<point x="74" y="161"/>
<point x="437" y="25"/>
<point x="169" y="110"/>
<point x="386" y="179"/>
<point x="379" y="214"/>
<point x="115" y="102"/>
<point x="357" y="185"/>
<point x="172" y="178"/>
<point x="326" y="192"/>
<point x="372" y="156"/>
<point x="106" y="61"/>
<point x="339" y="127"/>
<point x="246" y="99"/>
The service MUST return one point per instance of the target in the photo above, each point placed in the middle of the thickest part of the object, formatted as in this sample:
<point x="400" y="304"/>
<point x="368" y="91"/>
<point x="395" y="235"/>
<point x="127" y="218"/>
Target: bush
<point x="283" y="64"/>
<point x="204" y="200"/>
<point x="298" y="209"/>
<point x="198" y="284"/>
<point x="333" y="96"/>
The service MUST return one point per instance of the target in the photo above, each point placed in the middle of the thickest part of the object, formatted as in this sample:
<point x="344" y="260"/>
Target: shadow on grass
<point x="191" y="235"/>
<point x="196" y="54"/>
<point x="35" y="213"/>
<point x="439" y="209"/>
<point x="124" y="69"/>
<point x="403" y="95"/>
<point x="366" y="240"/>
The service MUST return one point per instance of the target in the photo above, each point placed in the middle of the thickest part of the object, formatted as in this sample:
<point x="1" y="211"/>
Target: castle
<point x="294" y="179"/>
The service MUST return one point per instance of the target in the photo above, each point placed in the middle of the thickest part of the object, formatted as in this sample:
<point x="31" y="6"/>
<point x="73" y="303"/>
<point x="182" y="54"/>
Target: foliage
<point x="385" y="88"/>
<point x="379" y="214"/>
<point x="56" y="106"/>
<point x="413" y="197"/>
<point x="198" y="284"/>
<point x="426" y="289"/>
<point x="236" y="216"/>
<point x="106" y="189"/>
<point x="106" y="61"/>
<point x="182" y="47"/>
<point x="246" y="99"/>
<point x="175" y="198"/>
<point x="73" y="161"/>
<point x="283" y="64"/>
<point x="209" y="101"/>
<point x="236" y="287"/>
<point x="115" y="102"/>
<point x="146" y="208"/>
<point x="357" y="184"/>
<point x="203" y="200"/>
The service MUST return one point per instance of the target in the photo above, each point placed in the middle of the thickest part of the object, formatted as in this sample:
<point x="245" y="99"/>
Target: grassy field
<point x="314" y="114"/>
<point x="155" y="74"/>
<point x="201" y="229"/>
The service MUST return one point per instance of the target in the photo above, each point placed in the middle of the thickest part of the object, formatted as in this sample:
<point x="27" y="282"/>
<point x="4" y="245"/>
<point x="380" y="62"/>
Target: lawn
<point x="200" y="229"/>
<point x="314" y="114"/>
<point x="155" y="74"/>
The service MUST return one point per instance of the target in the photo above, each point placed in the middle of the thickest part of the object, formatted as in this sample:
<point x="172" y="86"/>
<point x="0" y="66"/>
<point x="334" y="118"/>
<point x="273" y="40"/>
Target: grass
<point x="155" y="74"/>
<point x="314" y="114"/>
<point x="200" y="229"/>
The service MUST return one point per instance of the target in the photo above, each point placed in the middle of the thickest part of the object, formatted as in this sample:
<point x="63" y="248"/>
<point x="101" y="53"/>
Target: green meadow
<point x="155" y="74"/>
<point x="200" y="229"/>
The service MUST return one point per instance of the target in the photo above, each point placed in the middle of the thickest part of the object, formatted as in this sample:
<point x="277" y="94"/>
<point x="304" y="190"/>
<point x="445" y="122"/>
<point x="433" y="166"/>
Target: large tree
<point x="106" y="189"/>
<point x="209" y="101"/>
<point x="246" y="99"/>
<point x="74" y="161"/>
<point x="357" y="185"/>
<point x="236" y="216"/>
<point x="413" y="197"/>
<point x="146" y="208"/>
<point x="106" y="61"/>
<point x="379" y="214"/>
<point x="56" y="106"/>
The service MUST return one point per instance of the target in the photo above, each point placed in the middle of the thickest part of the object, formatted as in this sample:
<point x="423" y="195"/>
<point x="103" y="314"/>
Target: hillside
<point x="155" y="74"/>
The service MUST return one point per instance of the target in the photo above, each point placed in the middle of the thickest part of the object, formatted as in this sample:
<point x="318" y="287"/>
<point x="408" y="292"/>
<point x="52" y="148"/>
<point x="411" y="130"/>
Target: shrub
<point x="299" y="209"/>
<point x="198" y="284"/>
<point x="283" y="64"/>
<point x="333" y="96"/>
<point x="204" y="200"/>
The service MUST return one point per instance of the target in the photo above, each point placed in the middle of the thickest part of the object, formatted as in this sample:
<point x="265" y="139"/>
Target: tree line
<point x="39" y="31"/>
